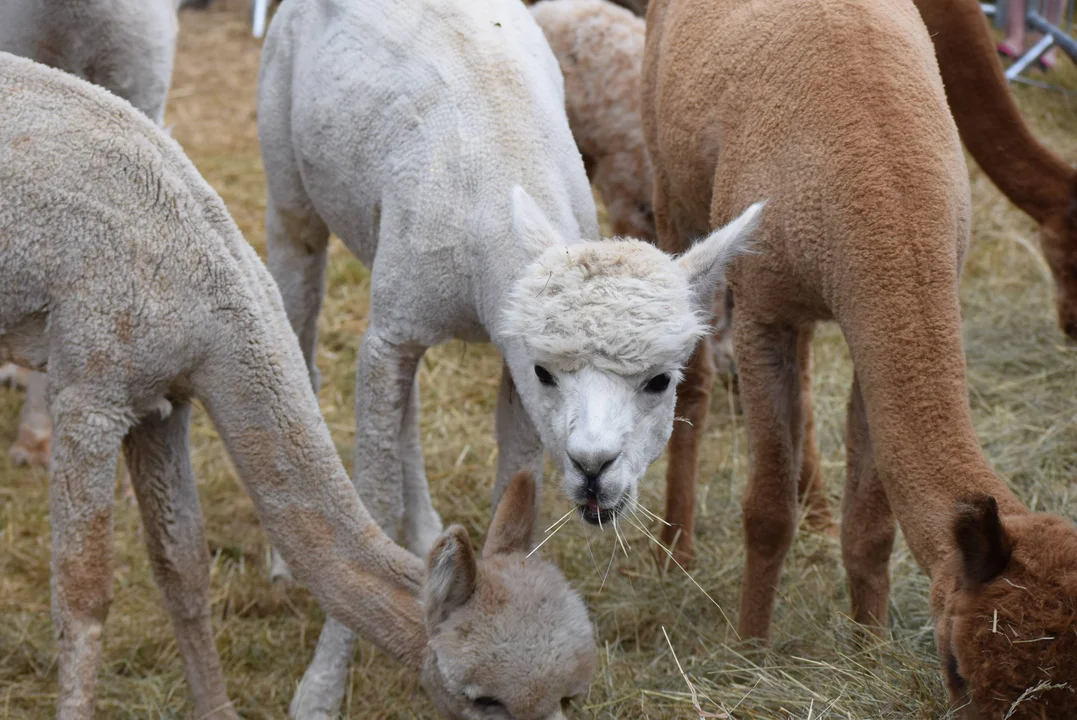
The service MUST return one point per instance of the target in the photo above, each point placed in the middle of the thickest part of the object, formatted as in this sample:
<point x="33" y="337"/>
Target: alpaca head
<point x="1005" y="607"/>
<point x="595" y="335"/>
<point x="508" y="637"/>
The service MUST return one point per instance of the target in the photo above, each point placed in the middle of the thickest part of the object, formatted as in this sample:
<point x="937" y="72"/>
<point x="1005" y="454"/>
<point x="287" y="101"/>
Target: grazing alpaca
<point x="1030" y="175"/>
<point x="868" y="226"/>
<point x="125" y="277"/>
<point x="126" y="47"/>
<point x="411" y="136"/>
<point x="600" y="49"/>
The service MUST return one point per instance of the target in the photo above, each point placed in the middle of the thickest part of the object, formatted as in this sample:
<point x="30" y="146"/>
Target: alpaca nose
<point x="591" y="463"/>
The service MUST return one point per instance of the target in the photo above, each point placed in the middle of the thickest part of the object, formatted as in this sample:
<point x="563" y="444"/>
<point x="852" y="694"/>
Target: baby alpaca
<point x="600" y="49"/>
<point x="1031" y="176"/>
<point x="126" y="47"/>
<point x="835" y="109"/>
<point x="124" y="276"/>
<point x="412" y="135"/>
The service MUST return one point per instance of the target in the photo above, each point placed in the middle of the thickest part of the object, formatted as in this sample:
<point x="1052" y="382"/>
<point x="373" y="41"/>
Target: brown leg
<point x="693" y="401"/>
<point x="867" y="524"/>
<point x="811" y="494"/>
<point x="693" y="405"/>
<point x="770" y="392"/>
<point x="159" y="461"/>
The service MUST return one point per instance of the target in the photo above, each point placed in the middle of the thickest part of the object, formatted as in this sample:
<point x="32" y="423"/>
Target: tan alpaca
<point x="124" y="276"/>
<point x="1030" y="175"/>
<point x="599" y="47"/>
<point x="834" y="109"/>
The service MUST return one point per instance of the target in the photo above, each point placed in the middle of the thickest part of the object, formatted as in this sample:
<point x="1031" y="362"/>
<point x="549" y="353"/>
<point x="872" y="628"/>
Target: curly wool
<point x="1026" y="623"/>
<point x="619" y="305"/>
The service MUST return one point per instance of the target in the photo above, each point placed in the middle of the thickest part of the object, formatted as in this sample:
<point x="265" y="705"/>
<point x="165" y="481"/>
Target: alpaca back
<point x="125" y="46"/>
<point x="444" y="106"/>
<point x="834" y="110"/>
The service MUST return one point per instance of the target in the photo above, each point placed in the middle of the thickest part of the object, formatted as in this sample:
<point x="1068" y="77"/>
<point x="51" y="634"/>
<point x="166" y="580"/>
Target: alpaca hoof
<point x="278" y="569"/>
<point x="682" y="552"/>
<point x="31" y="447"/>
<point x="316" y="699"/>
<point x="822" y="524"/>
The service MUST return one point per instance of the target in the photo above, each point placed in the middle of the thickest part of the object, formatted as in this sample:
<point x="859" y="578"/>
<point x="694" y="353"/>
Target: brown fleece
<point x="867" y="224"/>
<point x="1030" y="175"/>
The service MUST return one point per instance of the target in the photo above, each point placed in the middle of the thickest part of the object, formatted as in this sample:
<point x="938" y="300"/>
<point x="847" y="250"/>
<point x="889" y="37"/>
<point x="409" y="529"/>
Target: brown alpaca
<point x="599" y="47"/>
<point x="868" y="224"/>
<point x="1030" y="175"/>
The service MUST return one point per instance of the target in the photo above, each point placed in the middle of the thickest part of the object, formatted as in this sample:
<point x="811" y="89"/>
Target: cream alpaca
<point x="126" y="47"/>
<point x="125" y="277"/>
<point x="473" y="211"/>
<point x="835" y="108"/>
<point x="600" y="49"/>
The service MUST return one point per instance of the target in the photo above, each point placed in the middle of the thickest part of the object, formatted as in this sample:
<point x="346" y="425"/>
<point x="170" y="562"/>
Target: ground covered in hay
<point x="1021" y="378"/>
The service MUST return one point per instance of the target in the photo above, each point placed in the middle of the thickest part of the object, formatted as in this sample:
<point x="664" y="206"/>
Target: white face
<point x="595" y="336"/>
<point x="602" y="429"/>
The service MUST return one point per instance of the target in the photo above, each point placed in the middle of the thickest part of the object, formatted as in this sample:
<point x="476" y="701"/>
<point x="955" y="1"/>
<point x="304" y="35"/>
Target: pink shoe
<point x="1008" y="51"/>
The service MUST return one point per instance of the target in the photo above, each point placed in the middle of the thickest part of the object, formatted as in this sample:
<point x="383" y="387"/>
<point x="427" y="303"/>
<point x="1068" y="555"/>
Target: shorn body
<point x="836" y="110"/>
<point x="431" y="137"/>
<point x="123" y="276"/>
<point x="126" y="47"/>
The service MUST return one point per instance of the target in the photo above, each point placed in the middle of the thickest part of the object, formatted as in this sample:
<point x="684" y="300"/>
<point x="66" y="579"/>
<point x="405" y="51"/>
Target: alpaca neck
<point x="990" y="124"/>
<point x="910" y="364"/>
<point x="268" y="417"/>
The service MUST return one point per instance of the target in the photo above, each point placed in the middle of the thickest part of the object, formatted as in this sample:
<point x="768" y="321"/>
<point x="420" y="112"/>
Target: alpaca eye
<point x="486" y="702"/>
<point x="657" y="384"/>
<point x="566" y="703"/>
<point x="544" y="376"/>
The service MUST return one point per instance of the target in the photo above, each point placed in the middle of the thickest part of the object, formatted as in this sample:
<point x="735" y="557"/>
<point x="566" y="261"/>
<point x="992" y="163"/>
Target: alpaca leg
<point x="87" y="443"/>
<point x="297" y="250"/>
<point x="693" y="407"/>
<point x="321" y="691"/>
<point x="519" y="446"/>
<point x="422" y="524"/>
<point x="159" y="461"/>
<point x="693" y="399"/>
<point x="810" y="492"/>
<point x="867" y="523"/>
<point x="770" y="390"/>
<point x="31" y="446"/>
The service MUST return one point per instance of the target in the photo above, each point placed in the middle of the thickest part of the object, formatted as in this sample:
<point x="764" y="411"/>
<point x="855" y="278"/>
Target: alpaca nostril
<point x="592" y="466"/>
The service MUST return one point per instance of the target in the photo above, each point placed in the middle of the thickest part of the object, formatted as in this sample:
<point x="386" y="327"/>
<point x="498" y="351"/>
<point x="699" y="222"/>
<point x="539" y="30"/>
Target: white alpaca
<point x="600" y="49"/>
<point x="411" y="132"/>
<point x="123" y="275"/>
<point x="126" y="47"/>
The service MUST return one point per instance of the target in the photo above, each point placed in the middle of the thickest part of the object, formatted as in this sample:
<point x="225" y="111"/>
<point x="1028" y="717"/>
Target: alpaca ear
<point x="982" y="542"/>
<point x="706" y="262"/>
<point x="533" y="230"/>
<point x="451" y="574"/>
<point x="514" y="519"/>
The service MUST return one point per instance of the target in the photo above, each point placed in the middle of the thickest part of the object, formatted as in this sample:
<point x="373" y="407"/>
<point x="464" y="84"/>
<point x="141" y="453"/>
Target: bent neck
<point x="256" y="390"/>
<point x="910" y="366"/>
<point x="991" y="126"/>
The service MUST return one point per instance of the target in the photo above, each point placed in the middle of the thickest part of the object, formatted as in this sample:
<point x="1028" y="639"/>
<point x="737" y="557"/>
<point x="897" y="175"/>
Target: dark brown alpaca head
<point x="1005" y="608"/>
<point x="1058" y="237"/>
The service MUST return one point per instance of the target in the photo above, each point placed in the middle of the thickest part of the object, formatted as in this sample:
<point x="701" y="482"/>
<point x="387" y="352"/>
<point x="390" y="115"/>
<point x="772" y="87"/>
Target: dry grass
<point x="1021" y="376"/>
